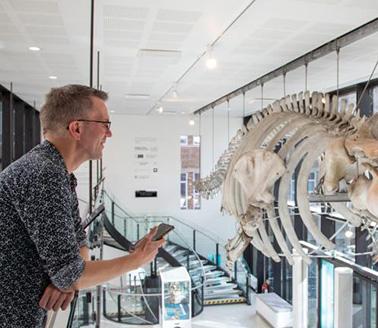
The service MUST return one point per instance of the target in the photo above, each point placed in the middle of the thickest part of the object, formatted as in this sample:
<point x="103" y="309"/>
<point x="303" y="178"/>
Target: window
<point x="351" y="98"/>
<point x="375" y="99"/>
<point x="311" y="182"/>
<point x="184" y="140"/>
<point x="190" y="172"/>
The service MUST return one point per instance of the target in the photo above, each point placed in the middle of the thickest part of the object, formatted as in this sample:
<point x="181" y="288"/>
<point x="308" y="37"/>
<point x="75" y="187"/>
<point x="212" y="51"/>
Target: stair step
<point x="179" y="252"/>
<point x="217" y="280"/>
<point x="170" y="247"/>
<point x="222" y="301"/>
<point x="219" y="295"/>
<point x="227" y="286"/>
<point x="206" y="268"/>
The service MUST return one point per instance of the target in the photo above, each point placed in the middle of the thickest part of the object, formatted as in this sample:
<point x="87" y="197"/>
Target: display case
<point x="176" y="309"/>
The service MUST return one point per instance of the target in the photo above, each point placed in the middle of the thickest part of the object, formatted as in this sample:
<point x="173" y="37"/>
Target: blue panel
<point x="327" y="283"/>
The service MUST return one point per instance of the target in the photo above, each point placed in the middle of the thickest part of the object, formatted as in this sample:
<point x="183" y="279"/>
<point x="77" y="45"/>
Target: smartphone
<point x="163" y="229"/>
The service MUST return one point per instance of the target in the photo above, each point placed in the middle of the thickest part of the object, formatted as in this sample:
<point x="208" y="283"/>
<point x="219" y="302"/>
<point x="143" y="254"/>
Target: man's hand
<point x="146" y="249"/>
<point x="54" y="298"/>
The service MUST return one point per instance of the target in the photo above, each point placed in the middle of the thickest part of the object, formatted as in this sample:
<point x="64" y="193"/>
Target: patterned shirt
<point x="40" y="234"/>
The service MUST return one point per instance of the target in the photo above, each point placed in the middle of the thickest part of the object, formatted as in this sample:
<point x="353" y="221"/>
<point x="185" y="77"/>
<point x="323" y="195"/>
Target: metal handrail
<point x="156" y="217"/>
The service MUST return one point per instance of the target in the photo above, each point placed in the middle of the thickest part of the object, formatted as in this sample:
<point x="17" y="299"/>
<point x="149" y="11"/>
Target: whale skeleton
<point x="294" y="136"/>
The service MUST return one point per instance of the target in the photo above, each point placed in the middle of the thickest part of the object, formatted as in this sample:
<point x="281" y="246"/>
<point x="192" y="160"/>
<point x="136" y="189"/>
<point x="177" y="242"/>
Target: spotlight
<point x="33" y="48"/>
<point x="191" y="122"/>
<point x="211" y="63"/>
<point x="160" y="109"/>
<point x="349" y="233"/>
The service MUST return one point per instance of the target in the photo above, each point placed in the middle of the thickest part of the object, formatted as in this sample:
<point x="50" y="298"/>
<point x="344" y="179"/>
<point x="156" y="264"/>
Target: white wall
<point x="119" y="164"/>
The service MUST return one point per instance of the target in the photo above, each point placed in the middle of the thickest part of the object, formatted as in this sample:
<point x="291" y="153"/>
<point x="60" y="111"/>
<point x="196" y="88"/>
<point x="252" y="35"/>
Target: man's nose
<point x="108" y="133"/>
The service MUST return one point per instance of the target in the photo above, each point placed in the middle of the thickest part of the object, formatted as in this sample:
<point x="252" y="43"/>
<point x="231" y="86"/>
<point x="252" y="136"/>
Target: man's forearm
<point x="98" y="272"/>
<point x="84" y="253"/>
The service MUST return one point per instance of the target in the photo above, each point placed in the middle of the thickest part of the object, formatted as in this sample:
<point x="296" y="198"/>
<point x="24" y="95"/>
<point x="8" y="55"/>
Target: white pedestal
<point x="343" y="298"/>
<point x="275" y="310"/>
<point x="300" y="291"/>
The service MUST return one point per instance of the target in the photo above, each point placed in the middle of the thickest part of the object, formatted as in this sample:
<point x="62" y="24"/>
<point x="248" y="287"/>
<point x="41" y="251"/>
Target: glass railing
<point x="84" y="309"/>
<point x="184" y="235"/>
<point x="133" y="299"/>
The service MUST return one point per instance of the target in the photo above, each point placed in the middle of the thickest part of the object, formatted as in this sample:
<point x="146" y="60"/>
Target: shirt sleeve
<point x="48" y="218"/>
<point x="81" y="236"/>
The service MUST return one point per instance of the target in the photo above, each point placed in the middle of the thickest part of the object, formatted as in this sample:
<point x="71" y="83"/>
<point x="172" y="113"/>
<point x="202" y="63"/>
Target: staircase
<point x="218" y="287"/>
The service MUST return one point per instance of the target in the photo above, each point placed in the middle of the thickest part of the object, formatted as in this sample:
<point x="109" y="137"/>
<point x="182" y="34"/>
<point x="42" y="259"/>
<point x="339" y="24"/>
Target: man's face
<point x="94" y="134"/>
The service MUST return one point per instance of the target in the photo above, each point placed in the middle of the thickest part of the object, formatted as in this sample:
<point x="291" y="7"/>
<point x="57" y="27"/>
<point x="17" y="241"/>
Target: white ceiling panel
<point x="178" y="16"/>
<point x="32" y="6"/>
<point x="41" y="19"/>
<point x="125" y="12"/>
<point x="150" y="47"/>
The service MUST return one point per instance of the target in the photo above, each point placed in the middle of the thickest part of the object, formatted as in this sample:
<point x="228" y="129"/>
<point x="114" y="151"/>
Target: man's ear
<point x="74" y="129"/>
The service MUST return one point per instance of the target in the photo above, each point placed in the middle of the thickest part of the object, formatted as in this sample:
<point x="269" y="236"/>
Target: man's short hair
<point x="66" y="104"/>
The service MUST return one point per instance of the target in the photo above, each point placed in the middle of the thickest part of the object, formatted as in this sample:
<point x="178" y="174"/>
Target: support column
<point x="300" y="291"/>
<point x="343" y="297"/>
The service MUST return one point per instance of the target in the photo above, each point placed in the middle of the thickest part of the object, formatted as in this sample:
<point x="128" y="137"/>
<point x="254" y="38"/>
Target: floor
<point x="220" y="316"/>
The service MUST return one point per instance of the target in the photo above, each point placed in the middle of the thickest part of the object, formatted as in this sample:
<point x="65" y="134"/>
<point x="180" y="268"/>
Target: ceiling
<point x="146" y="46"/>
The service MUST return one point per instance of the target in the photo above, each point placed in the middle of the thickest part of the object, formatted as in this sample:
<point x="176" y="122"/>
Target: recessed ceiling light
<point x="191" y="122"/>
<point x="33" y="48"/>
<point x="52" y="77"/>
<point x="211" y="63"/>
<point x="112" y="111"/>
<point x="160" y="109"/>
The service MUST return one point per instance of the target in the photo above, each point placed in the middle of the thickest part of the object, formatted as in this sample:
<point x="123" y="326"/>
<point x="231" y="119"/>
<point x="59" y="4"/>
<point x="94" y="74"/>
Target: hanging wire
<point x="213" y="136"/>
<point x="243" y="104"/>
<point x="228" y="121"/>
<point x="306" y="75"/>
<point x="284" y="83"/>
<point x="367" y="84"/>
<point x="200" y="143"/>
<point x="338" y="73"/>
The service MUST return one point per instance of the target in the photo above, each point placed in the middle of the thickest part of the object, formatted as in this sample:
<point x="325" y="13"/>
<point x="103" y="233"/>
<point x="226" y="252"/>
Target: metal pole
<point x="98" y="87"/>
<point x="91" y="85"/>
<point x="113" y="212"/>
<point x="119" y="307"/>
<point x="212" y="142"/>
<point x="217" y="255"/>
<point x="194" y="240"/>
<point x="99" y="287"/>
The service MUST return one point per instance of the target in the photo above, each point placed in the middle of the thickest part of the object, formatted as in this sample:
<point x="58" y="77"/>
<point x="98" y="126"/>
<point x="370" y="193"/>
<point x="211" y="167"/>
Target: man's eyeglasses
<point x="107" y="124"/>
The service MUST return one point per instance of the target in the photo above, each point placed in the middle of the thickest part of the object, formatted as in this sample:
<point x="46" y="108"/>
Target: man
<point x="43" y="251"/>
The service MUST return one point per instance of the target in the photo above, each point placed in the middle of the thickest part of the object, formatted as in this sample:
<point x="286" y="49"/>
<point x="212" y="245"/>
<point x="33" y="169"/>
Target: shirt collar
<point x="57" y="159"/>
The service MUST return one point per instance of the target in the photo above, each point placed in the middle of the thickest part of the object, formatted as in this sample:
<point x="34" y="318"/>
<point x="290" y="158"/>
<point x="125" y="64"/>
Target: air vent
<point x="137" y="96"/>
<point x="163" y="54"/>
